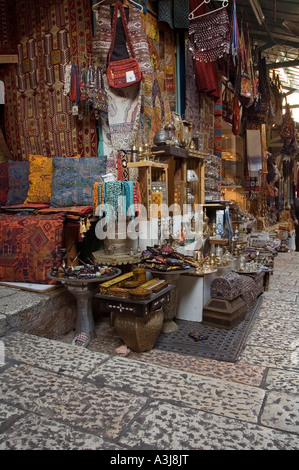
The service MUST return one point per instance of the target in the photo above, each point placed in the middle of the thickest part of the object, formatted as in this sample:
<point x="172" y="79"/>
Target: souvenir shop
<point x="136" y="162"/>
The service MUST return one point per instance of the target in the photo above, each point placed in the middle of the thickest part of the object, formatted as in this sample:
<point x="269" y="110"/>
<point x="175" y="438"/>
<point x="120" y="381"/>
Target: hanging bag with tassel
<point x="125" y="72"/>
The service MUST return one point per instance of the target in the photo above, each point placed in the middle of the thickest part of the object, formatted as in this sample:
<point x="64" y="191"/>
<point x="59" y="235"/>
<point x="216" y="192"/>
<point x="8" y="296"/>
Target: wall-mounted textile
<point x="38" y="113"/>
<point x="3" y="183"/>
<point x="26" y="246"/>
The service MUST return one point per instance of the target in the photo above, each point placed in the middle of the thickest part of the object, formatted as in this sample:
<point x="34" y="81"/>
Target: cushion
<point x="40" y="179"/>
<point x="3" y="183"/>
<point x="18" y="182"/>
<point x="26" y="246"/>
<point x="73" y="180"/>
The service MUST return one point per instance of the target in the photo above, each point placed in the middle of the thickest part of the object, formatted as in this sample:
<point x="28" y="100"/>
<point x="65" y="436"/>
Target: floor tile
<point x="37" y="433"/>
<point x="164" y="426"/>
<point x="237" y="372"/>
<point x="51" y="355"/>
<point x="199" y="392"/>
<point x="81" y="405"/>
<point x="281" y="411"/>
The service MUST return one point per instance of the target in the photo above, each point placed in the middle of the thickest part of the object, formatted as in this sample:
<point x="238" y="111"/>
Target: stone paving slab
<point x="51" y="355"/>
<point x="8" y="414"/>
<point x="205" y="393"/>
<point x="89" y="407"/>
<point x="268" y="357"/>
<point x="282" y="380"/>
<point x="281" y="411"/>
<point x="38" y="433"/>
<point x="237" y="372"/>
<point x="167" y="426"/>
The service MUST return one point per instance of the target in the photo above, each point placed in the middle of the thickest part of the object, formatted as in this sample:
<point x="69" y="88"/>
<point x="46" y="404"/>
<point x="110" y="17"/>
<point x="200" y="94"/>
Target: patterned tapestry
<point x="38" y="117"/>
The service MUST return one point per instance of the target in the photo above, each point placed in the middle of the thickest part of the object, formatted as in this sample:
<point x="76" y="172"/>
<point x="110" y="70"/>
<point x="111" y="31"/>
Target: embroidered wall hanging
<point x="38" y="117"/>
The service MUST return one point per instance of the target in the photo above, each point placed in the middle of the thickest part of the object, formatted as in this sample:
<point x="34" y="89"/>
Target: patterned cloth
<point x="18" y="182"/>
<point x="26" y="246"/>
<point x="3" y="183"/>
<point x="226" y="287"/>
<point x="73" y="180"/>
<point x="38" y="116"/>
<point x="40" y="179"/>
<point x="174" y="13"/>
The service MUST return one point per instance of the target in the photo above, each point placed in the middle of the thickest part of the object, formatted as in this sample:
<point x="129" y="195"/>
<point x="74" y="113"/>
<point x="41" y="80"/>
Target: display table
<point x="138" y="322"/>
<point x="84" y="290"/>
<point x="192" y="291"/>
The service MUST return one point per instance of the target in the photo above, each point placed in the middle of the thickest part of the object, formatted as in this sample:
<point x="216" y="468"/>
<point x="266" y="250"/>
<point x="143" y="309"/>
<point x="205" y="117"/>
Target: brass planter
<point x="138" y="333"/>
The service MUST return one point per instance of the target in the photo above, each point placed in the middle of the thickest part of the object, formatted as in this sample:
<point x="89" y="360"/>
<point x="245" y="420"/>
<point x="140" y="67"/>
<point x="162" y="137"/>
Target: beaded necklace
<point x="209" y="36"/>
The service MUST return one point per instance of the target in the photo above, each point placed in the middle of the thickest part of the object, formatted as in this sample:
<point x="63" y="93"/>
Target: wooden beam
<point x="283" y="65"/>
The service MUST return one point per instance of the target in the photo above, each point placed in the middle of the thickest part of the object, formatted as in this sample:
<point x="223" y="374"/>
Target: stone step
<point x="49" y="314"/>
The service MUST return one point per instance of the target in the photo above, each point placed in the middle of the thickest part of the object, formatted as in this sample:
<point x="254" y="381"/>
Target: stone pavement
<point x="54" y="396"/>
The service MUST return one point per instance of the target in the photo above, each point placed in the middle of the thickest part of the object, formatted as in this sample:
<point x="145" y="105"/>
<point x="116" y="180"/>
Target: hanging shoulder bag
<point x="125" y="72"/>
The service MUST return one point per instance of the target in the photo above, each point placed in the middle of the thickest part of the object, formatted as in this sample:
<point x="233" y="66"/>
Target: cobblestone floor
<point x="56" y="396"/>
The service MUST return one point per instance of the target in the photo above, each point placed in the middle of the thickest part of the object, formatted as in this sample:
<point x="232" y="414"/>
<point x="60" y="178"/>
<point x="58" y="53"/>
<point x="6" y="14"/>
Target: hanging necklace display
<point x="209" y="34"/>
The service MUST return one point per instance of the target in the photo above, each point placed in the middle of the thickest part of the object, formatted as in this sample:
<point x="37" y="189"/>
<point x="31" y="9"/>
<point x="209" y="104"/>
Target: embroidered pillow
<point x="18" y="182"/>
<point x="3" y="183"/>
<point x="40" y="179"/>
<point x="26" y="246"/>
<point x="73" y="180"/>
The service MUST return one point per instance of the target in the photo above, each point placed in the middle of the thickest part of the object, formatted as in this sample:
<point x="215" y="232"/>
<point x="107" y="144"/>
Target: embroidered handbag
<point x="124" y="72"/>
<point x="99" y="96"/>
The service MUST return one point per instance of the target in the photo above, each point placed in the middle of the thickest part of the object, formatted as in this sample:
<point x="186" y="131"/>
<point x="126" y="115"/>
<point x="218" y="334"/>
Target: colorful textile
<point x="26" y="246"/>
<point x="102" y="38"/>
<point x="124" y="115"/>
<point x="38" y="117"/>
<point x="3" y="183"/>
<point x="119" y="197"/>
<point x="40" y="179"/>
<point x="18" y="182"/>
<point x="73" y="180"/>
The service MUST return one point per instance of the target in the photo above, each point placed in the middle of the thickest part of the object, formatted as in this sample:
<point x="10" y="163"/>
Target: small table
<point x="137" y="322"/>
<point x="84" y="290"/>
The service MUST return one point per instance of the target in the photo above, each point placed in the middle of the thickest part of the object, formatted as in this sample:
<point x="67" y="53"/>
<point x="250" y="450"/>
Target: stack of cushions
<point x="27" y="244"/>
<point x="40" y="180"/>
<point x="56" y="181"/>
<point x="18" y="182"/>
